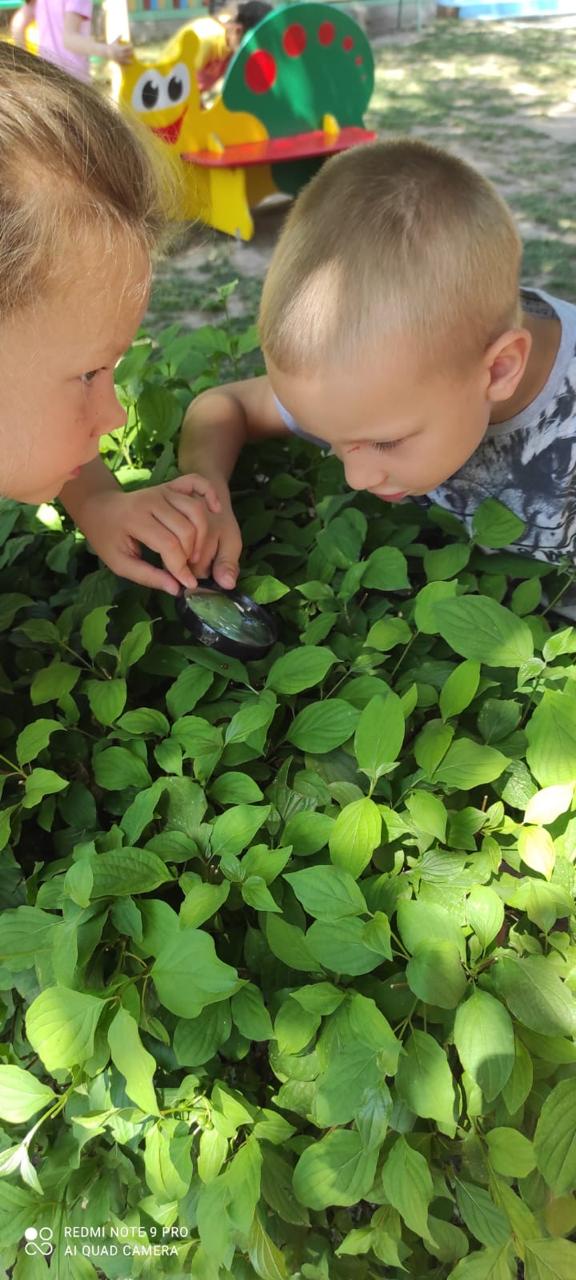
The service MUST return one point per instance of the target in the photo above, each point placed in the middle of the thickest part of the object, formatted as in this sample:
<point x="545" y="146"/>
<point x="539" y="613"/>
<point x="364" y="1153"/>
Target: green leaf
<point x="53" y="682"/>
<point x="387" y="570"/>
<point x="446" y="562"/>
<point x="266" y="1258"/>
<point x="328" y="893"/>
<point x="250" y="1013"/>
<point x="493" y="1263"/>
<point x="424" y="1080"/>
<point x="379" y="735"/>
<point x="22" y="1095"/>
<point x="322" y="726"/>
<point x="431" y="745"/>
<point x="460" y="688"/>
<point x="234" y="830"/>
<point x="308" y="832"/>
<point x="188" y="689"/>
<point x="94" y="630"/>
<point x="167" y="1162"/>
<point x="408" y="1185"/>
<point x="339" y="946"/>
<point x="134" y="646"/>
<point x="494" y="525"/>
<point x="107" y="698"/>
<point x="536" y="849"/>
<point x="252" y="716"/>
<point x="27" y="934"/>
<point x="133" y="1061"/>
<point x="300" y="669"/>
<point x="188" y="975"/>
<point x="387" y="633"/>
<point x="116" y="768"/>
<point x="467" y="764"/>
<point x="551" y="733"/>
<point x="479" y="1213"/>
<point x="428" y="814"/>
<point x="127" y="871"/>
<point x="536" y="995"/>
<point x="342" y="1086"/>
<point x="235" y="788"/>
<point x="420" y="921"/>
<point x="202" y="901"/>
<point x="34" y="738"/>
<point x="356" y="833"/>
<point x="519" y="1083"/>
<point x="511" y="1154"/>
<point x="334" y="1171"/>
<point x="484" y="1039"/>
<point x="40" y="783"/>
<point x="426" y="599"/>
<point x="485" y="914"/>
<point x="555" y="1138"/>
<point x="79" y="882"/>
<point x="435" y="974"/>
<point x="146" y="722"/>
<point x="547" y="805"/>
<point x="61" y="1024"/>
<point x="478" y="627"/>
<point x="294" y="1027"/>
<point x="550" y="1260"/>
<point x="197" y="1040"/>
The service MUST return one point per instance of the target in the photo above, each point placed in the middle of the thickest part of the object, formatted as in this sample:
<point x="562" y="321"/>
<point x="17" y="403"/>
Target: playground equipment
<point x="295" y="92"/>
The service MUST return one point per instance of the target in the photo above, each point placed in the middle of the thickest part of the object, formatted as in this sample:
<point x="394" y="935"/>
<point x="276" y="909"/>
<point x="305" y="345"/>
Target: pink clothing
<point x="50" y="19"/>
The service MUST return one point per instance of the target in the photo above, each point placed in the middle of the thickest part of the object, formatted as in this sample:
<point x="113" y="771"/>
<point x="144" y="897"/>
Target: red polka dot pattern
<point x="326" y="33"/>
<point x="347" y="43"/>
<point x="260" y="71"/>
<point x="358" y="62"/>
<point x="294" y="40"/>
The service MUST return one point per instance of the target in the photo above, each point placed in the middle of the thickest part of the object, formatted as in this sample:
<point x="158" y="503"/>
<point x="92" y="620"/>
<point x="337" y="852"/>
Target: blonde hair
<point x="392" y="239"/>
<point x="70" y="166"/>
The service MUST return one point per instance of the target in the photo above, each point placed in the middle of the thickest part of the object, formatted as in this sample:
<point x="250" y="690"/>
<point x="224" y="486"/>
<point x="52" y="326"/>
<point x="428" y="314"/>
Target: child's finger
<point x="226" y="567"/>
<point x="193" y="483"/>
<point x="146" y="575"/>
<point x="155" y="535"/>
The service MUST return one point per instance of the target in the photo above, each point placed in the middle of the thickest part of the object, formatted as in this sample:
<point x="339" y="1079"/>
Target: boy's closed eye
<point x="381" y="445"/>
<point x="90" y="376"/>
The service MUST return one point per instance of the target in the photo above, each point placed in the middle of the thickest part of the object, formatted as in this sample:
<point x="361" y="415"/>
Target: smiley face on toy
<point x="162" y="93"/>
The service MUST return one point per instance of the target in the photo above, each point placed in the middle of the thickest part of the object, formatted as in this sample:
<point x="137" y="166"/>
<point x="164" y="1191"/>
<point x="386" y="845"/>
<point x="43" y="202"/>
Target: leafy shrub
<point x="286" y="971"/>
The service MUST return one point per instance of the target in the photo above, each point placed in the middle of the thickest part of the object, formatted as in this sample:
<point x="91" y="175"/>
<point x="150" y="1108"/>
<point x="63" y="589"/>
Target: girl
<point x="64" y="34"/>
<point x="81" y="212"/>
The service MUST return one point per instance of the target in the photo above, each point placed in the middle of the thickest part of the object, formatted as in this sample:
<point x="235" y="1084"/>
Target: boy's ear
<point x="505" y="362"/>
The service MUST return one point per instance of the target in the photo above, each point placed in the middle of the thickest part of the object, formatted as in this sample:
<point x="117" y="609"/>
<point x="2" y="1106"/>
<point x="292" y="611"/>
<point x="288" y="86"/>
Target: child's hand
<point x="172" y="519"/>
<point x="119" y="51"/>
<point x="218" y="554"/>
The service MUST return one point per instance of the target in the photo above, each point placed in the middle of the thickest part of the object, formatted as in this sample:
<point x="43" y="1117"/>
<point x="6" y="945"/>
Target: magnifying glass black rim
<point x="213" y="639"/>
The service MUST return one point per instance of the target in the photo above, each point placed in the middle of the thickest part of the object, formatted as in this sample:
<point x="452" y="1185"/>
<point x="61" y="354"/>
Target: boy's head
<point x="80" y="212"/>
<point x="246" y="17"/>
<point x="390" y="316"/>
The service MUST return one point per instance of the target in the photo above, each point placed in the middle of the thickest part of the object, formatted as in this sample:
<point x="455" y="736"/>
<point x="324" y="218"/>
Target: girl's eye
<point x="89" y="377"/>
<point x="381" y="445"/>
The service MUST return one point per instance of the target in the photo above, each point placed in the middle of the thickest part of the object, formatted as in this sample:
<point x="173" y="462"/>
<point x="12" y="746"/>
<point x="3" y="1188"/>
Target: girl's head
<point x="81" y="210"/>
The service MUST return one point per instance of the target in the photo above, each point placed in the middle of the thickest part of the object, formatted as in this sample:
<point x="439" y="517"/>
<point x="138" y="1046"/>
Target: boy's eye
<point x="89" y="377"/>
<point x="381" y="445"/>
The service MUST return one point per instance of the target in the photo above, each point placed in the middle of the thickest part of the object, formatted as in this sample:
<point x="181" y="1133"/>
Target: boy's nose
<point x="361" y="473"/>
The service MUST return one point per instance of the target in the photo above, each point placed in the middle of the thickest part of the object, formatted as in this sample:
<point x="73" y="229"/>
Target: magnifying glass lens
<point x="229" y="617"/>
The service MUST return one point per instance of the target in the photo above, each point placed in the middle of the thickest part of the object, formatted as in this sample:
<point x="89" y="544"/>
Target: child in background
<point x="82" y="212"/>
<point x="65" y="36"/>
<point x="395" y="333"/>
<point x="247" y="17"/>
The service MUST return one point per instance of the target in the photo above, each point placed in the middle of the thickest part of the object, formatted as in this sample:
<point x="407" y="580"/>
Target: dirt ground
<point x="502" y="95"/>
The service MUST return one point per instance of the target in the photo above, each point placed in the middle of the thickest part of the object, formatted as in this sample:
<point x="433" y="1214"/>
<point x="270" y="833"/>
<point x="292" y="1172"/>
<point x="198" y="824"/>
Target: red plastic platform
<point x="274" y="150"/>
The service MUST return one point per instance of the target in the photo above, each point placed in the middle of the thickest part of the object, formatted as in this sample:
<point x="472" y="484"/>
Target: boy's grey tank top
<point x="529" y="461"/>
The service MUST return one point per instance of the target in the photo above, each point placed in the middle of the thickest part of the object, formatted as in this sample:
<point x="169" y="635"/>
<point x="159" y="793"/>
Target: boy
<point x="395" y="333"/>
<point x="247" y="17"/>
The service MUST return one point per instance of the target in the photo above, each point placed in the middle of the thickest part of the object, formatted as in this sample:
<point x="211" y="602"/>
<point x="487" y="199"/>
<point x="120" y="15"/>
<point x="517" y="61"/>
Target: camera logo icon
<point x="39" y="1241"/>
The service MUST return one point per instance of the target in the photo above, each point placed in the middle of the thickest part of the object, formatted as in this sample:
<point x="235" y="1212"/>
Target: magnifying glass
<point x="227" y="621"/>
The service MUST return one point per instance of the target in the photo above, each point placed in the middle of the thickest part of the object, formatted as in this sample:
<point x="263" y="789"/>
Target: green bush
<point x="286" y="972"/>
